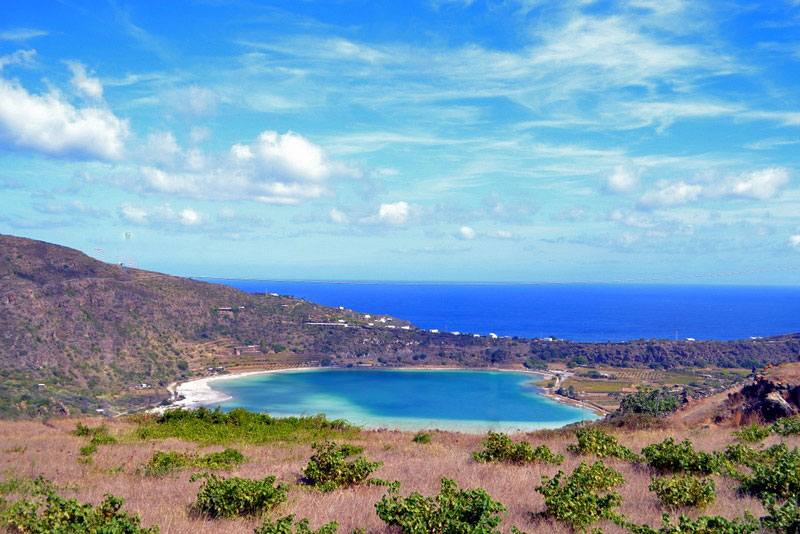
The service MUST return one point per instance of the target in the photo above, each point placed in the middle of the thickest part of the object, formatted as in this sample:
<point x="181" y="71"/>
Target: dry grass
<point x="50" y="450"/>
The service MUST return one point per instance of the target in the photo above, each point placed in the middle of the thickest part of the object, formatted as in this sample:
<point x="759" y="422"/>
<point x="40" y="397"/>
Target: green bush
<point x="649" y="401"/>
<point x="453" y="511"/>
<point x="217" y="427"/>
<point x="787" y="426"/>
<point x="284" y="526"/>
<point x="752" y="433"/>
<point x="683" y="490"/>
<point x="780" y="478"/>
<point x="596" y="442"/>
<point x="231" y="497"/>
<point x="675" y="458"/>
<point x="500" y="448"/>
<point x="421" y="437"/>
<point x="782" y="519"/>
<point x="701" y="525"/>
<point x="575" y="499"/>
<point x="328" y="469"/>
<point x="48" y="513"/>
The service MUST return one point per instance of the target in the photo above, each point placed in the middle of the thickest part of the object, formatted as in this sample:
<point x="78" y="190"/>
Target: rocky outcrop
<point x="763" y="401"/>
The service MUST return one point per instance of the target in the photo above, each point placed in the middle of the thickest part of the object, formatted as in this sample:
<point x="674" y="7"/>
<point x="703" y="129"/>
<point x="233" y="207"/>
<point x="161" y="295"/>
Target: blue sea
<point x="581" y="312"/>
<point x="465" y="400"/>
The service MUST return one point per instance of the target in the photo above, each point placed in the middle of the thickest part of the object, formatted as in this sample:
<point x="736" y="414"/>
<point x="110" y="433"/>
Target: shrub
<point x="701" y="525"/>
<point x="595" y="441"/>
<point x="48" y="513"/>
<point x="670" y="457"/>
<point x="780" y="478"/>
<point x="421" y="437"/>
<point x="649" y="401"/>
<point x="226" y="459"/>
<point x="683" y="490"/>
<point x="500" y="448"/>
<point x="284" y="526"/>
<point x="230" y="497"/>
<point x="328" y="469"/>
<point x="164" y="463"/>
<point x="787" y="426"/>
<point x="782" y="519"/>
<point x="453" y="511"/>
<point x="575" y="499"/>
<point x="752" y="433"/>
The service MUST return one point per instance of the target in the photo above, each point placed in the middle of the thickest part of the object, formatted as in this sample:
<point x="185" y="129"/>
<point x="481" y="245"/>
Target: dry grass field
<point x="30" y="449"/>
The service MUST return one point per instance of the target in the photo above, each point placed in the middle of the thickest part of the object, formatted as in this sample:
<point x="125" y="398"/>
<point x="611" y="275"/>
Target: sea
<point x="579" y="312"/>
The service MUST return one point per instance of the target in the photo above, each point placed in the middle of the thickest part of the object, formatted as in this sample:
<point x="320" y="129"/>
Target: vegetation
<point x="701" y="525"/>
<point x="779" y="477"/>
<point x="576" y="499"/>
<point x="164" y="463"/>
<point x="328" y="469"/>
<point x="421" y="437"/>
<point x="649" y="401"/>
<point x="49" y="513"/>
<point x="453" y="511"/>
<point x="787" y="426"/>
<point x="595" y="441"/>
<point x="684" y="490"/>
<point x="239" y="426"/>
<point x="668" y="456"/>
<point x="752" y="433"/>
<point x="287" y="525"/>
<point x="500" y="448"/>
<point x="231" y="497"/>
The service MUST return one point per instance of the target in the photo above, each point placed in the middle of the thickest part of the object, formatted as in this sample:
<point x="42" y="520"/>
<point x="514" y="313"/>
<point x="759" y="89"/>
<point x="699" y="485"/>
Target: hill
<point x="79" y="335"/>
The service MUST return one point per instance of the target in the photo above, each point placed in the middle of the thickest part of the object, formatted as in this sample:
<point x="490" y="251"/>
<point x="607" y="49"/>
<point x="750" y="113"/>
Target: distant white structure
<point x="476" y="335"/>
<point x="383" y="320"/>
<point x="492" y="335"/>
<point x="434" y="331"/>
<point x="341" y="307"/>
<point x="690" y="339"/>
<point x="367" y="316"/>
<point x="456" y="333"/>
<point x="406" y="327"/>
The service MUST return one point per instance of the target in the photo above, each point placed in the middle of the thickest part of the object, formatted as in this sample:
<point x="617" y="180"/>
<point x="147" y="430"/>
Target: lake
<point x="409" y="399"/>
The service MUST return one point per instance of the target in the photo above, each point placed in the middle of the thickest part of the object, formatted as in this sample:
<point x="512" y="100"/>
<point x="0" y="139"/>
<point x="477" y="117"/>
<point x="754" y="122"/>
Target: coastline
<point x="198" y="392"/>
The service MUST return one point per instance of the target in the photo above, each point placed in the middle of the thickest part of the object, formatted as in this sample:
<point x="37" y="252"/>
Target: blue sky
<point x="435" y="140"/>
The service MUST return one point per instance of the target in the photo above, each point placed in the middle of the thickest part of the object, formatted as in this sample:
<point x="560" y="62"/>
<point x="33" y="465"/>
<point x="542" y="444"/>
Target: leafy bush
<point x="217" y="427"/>
<point x="752" y="433"/>
<point x="780" y="478"/>
<point x="782" y="519"/>
<point x="453" y="511"/>
<point x="284" y="526"/>
<point x="48" y="513"/>
<point x="164" y="463"/>
<point x="99" y="434"/>
<point x="701" y="525"/>
<point x="787" y="426"/>
<point x="595" y="441"/>
<point x="220" y="460"/>
<point x="575" y="499"/>
<point x="328" y="469"/>
<point x="500" y="448"/>
<point x="230" y="497"/>
<point x="421" y="437"/>
<point x="649" y="401"/>
<point x="683" y="490"/>
<point x="670" y="457"/>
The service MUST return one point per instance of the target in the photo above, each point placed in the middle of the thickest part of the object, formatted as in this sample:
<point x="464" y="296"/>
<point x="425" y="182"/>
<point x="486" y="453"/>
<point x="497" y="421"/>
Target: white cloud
<point x="198" y="134"/>
<point x="274" y="168"/>
<point x="501" y="234"/>
<point x="20" y="57"/>
<point x="22" y="34"/>
<point x="192" y="101"/>
<point x="163" y="214"/>
<point x="762" y="184"/>
<point x="83" y="82"/>
<point x="465" y="232"/>
<point x="671" y="194"/>
<point x="48" y="124"/>
<point x="338" y="216"/>
<point x="622" y="180"/>
<point x="133" y="214"/>
<point x="794" y="240"/>
<point x="395" y="213"/>
<point x="189" y="217"/>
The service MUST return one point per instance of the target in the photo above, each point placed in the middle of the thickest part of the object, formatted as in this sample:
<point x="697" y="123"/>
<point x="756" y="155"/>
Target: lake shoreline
<point x="198" y="393"/>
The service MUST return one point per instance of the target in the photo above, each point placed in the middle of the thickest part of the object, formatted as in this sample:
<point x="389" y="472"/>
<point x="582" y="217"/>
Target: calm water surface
<point x="471" y="401"/>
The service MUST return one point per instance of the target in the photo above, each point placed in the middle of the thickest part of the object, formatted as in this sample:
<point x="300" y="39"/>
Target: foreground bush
<point x="284" y="526"/>
<point x="782" y="519"/>
<point x="675" y="458"/>
<point x="454" y="511"/>
<point x="787" y="426"/>
<point x="779" y="478"/>
<point x="500" y="448"/>
<point x="596" y="442"/>
<point x="328" y="469"/>
<point x="575" y="500"/>
<point x="701" y="525"/>
<point x="683" y="490"/>
<point x="231" y="497"/>
<point x="217" y="427"/>
<point x="48" y="513"/>
<point x="164" y="463"/>
<point x="752" y="433"/>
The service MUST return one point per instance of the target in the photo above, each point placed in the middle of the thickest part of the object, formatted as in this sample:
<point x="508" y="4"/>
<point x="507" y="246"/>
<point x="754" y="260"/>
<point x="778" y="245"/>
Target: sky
<point x="433" y="140"/>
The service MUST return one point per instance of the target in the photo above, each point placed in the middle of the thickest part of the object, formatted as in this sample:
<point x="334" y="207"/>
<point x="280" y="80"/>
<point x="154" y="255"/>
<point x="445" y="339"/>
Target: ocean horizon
<point x="580" y="312"/>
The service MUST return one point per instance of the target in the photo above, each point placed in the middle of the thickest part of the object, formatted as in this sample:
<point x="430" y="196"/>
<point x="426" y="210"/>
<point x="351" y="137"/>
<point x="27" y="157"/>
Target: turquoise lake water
<point x="463" y="400"/>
